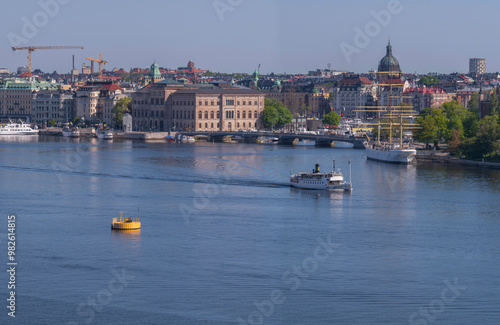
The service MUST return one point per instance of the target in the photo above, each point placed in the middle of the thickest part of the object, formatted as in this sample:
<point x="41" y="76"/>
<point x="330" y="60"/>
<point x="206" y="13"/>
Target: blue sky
<point x="283" y="35"/>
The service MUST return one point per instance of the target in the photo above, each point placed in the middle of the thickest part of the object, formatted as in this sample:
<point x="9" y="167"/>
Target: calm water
<point x="225" y="240"/>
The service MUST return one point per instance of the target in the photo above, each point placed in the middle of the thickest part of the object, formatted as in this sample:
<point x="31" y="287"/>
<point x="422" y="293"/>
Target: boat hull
<point x="339" y="187"/>
<point x="394" y="156"/>
<point x="342" y="144"/>
<point x="33" y="132"/>
<point x="70" y="134"/>
<point x="105" y="136"/>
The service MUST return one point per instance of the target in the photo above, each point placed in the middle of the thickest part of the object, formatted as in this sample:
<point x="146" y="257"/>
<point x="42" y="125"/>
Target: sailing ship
<point x="391" y="114"/>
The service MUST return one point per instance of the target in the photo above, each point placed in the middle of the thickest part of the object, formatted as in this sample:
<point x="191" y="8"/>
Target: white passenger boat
<point x="321" y="181"/>
<point x="19" y="128"/>
<point x="304" y="142"/>
<point x="104" y="134"/>
<point x="70" y="132"/>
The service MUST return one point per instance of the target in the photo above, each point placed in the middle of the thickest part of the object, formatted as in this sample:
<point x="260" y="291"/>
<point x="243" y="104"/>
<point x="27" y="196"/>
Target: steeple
<point x="389" y="48"/>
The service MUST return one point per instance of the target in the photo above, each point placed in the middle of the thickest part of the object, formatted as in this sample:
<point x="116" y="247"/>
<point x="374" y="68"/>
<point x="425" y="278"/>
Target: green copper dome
<point x="277" y="82"/>
<point x="154" y="72"/>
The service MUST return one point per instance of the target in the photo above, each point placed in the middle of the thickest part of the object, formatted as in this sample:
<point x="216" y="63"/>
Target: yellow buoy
<point x="125" y="223"/>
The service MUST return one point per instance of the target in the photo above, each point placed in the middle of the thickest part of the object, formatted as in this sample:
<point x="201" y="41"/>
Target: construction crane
<point x="32" y="48"/>
<point x="100" y="61"/>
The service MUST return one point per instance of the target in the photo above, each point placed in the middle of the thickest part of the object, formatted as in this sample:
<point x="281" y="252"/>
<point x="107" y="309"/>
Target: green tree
<point x="473" y="104"/>
<point x="270" y="117"/>
<point x="76" y="121"/>
<point x="494" y="108"/>
<point x="470" y="125"/>
<point x="428" y="80"/>
<point x="121" y="108"/>
<point x="275" y="114"/>
<point x="52" y="122"/>
<point x="331" y="118"/>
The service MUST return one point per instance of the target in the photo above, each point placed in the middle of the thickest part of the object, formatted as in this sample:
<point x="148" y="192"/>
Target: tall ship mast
<point x="391" y="112"/>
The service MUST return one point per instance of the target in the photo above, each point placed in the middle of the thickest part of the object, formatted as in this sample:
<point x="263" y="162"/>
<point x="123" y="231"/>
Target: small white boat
<point x="321" y="181"/>
<point x="105" y="134"/>
<point x="304" y="142"/>
<point x="70" y="132"/>
<point x="17" y="129"/>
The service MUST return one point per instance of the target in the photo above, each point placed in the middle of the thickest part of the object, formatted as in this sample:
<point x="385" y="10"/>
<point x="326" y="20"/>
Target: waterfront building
<point x="109" y="95"/>
<point x="53" y="104"/>
<point x="16" y="97"/>
<point x="215" y="109"/>
<point x="86" y="101"/>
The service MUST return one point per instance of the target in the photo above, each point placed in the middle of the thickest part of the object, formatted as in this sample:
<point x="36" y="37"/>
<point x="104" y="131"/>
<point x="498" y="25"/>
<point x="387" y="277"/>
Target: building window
<point x="206" y="103"/>
<point x="212" y="103"/>
<point x="238" y="114"/>
<point x="206" y="125"/>
<point x="244" y="103"/>
<point x="249" y="114"/>
<point x="230" y="102"/>
<point x="212" y="114"/>
<point x="206" y="115"/>
<point x="244" y="115"/>
<point x="255" y="103"/>
<point x="200" y="125"/>
<point x="212" y="126"/>
<point x="249" y="124"/>
<point x="199" y="103"/>
<point x="243" y="124"/>
<point x="218" y="114"/>
<point x="200" y="115"/>
<point x="255" y="114"/>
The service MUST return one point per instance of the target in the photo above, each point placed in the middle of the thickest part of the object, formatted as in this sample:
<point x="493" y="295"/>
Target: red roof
<point x="355" y="81"/>
<point x="111" y="87"/>
<point x="425" y="90"/>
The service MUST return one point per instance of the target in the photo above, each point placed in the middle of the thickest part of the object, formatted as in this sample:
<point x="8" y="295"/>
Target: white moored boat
<point x="71" y="132"/>
<point x="17" y="129"/>
<point x="321" y="181"/>
<point x="105" y="134"/>
<point x="390" y="153"/>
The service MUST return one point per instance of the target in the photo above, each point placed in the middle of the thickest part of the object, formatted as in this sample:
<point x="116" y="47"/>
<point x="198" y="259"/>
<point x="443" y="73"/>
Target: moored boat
<point x="316" y="180"/>
<point x="70" y="132"/>
<point x="20" y="128"/>
<point x="389" y="153"/>
<point x="104" y="134"/>
<point x="342" y="144"/>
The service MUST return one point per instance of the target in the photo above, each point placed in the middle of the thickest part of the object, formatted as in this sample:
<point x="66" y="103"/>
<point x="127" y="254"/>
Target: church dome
<point x="389" y="63"/>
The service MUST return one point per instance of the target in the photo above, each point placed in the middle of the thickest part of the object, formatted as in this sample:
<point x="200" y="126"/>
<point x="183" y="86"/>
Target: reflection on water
<point x="127" y="238"/>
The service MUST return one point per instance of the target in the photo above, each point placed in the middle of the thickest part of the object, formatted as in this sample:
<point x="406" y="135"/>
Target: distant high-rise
<point x="477" y="66"/>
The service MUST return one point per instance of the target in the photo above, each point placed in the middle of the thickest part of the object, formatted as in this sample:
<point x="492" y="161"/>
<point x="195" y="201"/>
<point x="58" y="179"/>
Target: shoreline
<point x="430" y="156"/>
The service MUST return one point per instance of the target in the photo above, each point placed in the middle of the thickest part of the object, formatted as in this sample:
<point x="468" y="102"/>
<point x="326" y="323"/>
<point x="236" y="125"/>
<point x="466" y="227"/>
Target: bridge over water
<point x="283" y="138"/>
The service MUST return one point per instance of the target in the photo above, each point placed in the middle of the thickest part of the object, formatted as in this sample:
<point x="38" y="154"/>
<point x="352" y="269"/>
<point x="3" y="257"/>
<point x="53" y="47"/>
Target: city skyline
<point x="236" y="36"/>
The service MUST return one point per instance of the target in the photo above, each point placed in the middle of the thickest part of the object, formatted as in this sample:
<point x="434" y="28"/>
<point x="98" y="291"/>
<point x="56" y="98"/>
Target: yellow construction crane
<point x="32" y="48"/>
<point x="100" y="61"/>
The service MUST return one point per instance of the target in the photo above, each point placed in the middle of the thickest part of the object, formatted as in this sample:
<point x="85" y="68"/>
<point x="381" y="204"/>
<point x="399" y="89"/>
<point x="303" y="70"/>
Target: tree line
<point x="466" y="133"/>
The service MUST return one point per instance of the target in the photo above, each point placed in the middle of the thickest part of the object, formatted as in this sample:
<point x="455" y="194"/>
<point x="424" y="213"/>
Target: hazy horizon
<point x="236" y="35"/>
